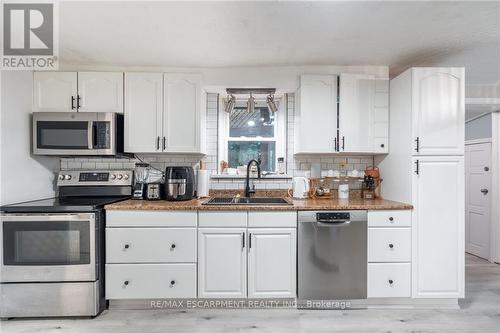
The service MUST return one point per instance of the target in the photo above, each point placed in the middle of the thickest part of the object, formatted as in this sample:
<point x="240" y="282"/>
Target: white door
<point x="181" y="120"/>
<point x="143" y="112"/>
<point x="222" y="263"/>
<point x="477" y="199"/>
<point x="100" y="92"/>
<point x="54" y="91"/>
<point x="316" y="116"/>
<point x="438" y="229"/>
<point x="272" y="269"/>
<point x="356" y="105"/>
<point x="438" y="111"/>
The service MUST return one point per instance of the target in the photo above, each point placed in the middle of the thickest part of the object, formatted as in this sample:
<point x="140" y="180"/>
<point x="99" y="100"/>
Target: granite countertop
<point x="297" y="204"/>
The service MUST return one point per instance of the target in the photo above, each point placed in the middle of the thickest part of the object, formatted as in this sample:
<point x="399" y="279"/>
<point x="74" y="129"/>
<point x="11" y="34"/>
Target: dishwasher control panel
<point x="332" y="216"/>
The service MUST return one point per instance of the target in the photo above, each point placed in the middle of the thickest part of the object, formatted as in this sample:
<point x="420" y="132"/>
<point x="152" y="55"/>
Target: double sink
<point x="214" y="201"/>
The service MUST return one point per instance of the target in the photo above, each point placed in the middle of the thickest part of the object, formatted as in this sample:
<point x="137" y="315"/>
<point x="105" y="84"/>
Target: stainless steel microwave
<point x="77" y="133"/>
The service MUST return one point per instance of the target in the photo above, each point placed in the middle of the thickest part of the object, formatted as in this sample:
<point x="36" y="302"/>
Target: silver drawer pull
<point x="172" y="283"/>
<point x="126" y="246"/>
<point x="391" y="219"/>
<point x="391" y="246"/>
<point x="172" y="247"/>
<point x="391" y="282"/>
<point x="126" y="282"/>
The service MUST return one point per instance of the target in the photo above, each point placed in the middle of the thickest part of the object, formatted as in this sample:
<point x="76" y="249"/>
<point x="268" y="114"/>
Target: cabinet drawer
<point x="389" y="218"/>
<point x="389" y="280"/>
<point x="272" y="219"/>
<point x="389" y="244"/>
<point x="223" y="219"/>
<point x="141" y="281"/>
<point x="143" y="245"/>
<point x="151" y="218"/>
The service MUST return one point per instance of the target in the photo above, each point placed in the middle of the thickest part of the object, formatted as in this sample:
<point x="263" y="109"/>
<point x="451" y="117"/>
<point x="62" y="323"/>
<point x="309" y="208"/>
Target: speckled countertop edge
<point x="296" y="205"/>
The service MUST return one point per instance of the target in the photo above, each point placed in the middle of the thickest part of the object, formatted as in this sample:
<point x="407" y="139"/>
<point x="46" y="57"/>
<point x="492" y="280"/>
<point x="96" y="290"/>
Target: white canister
<point x="344" y="191"/>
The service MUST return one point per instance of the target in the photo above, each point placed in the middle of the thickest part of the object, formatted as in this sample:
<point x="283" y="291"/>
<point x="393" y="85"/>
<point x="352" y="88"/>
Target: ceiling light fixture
<point x="271" y="104"/>
<point x="230" y="100"/>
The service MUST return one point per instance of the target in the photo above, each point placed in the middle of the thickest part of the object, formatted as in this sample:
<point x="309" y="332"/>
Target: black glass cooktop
<point x="63" y="204"/>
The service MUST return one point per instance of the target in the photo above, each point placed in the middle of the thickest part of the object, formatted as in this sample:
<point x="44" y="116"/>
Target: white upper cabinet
<point x="438" y="234"/>
<point x="54" y="91"/>
<point x="163" y="113"/>
<point x="143" y="112"/>
<point x="316" y="114"/>
<point x="100" y="92"/>
<point x="356" y="113"/>
<point x="181" y="120"/>
<point x="438" y="111"/>
<point x="272" y="268"/>
<point x="362" y="119"/>
<point x="222" y="263"/>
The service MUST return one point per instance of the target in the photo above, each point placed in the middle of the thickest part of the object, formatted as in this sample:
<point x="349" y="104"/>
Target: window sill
<point x="272" y="176"/>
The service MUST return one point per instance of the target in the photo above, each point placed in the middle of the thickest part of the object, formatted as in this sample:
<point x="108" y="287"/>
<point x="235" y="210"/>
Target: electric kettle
<point x="300" y="187"/>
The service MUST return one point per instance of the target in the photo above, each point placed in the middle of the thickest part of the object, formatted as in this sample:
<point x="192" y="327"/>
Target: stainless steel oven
<point x="48" y="247"/>
<point x="77" y="133"/>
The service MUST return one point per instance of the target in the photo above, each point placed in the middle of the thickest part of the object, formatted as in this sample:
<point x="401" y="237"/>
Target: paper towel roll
<point x="203" y="180"/>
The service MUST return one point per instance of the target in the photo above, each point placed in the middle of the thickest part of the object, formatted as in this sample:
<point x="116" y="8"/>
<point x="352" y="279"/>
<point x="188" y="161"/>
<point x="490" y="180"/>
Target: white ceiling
<point x="222" y="34"/>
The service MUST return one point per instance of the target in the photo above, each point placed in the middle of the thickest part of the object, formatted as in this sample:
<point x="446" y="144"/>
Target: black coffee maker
<point x="179" y="183"/>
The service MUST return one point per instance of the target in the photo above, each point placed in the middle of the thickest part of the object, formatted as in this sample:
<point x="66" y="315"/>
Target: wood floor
<point x="480" y="312"/>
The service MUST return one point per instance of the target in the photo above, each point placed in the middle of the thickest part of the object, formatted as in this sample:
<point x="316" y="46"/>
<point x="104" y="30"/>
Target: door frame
<point x="493" y="237"/>
<point x="495" y="186"/>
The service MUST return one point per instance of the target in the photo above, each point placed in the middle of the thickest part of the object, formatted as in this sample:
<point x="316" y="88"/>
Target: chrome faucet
<point x="249" y="191"/>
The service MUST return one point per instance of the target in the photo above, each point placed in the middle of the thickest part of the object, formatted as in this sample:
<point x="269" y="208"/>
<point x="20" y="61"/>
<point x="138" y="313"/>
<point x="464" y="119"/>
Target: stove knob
<point x="125" y="177"/>
<point x="113" y="176"/>
<point x="67" y="177"/>
<point x="120" y="176"/>
<point x="61" y="177"/>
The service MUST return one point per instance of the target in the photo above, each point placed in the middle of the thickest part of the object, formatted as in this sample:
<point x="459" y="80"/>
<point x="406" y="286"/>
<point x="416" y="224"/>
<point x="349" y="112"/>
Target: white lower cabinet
<point x="236" y="262"/>
<point x="222" y="262"/>
<point x="272" y="263"/>
<point x="133" y="245"/>
<point x="389" y="280"/>
<point x="141" y="281"/>
<point x="389" y="253"/>
<point x="151" y="254"/>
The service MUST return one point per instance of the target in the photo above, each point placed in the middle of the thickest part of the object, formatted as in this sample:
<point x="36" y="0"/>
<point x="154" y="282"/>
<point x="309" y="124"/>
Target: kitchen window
<point x="259" y="135"/>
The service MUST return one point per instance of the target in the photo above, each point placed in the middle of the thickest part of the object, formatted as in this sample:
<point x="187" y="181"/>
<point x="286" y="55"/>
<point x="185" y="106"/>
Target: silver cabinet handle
<point x="391" y="246"/>
<point x="126" y="246"/>
<point x="172" y="247"/>
<point x="484" y="191"/>
<point x="391" y="282"/>
<point x="172" y="284"/>
<point x="126" y="282"/>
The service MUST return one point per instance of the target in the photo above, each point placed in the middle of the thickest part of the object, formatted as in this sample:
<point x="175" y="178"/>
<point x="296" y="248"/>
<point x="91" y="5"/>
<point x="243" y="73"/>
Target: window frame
<point x="279" y="131"/>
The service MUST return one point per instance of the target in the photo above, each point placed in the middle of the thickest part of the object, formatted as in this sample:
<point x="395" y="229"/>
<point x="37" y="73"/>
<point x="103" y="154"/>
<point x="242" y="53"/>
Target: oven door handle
<point x="6" y="217"/>
<point x="90" y="134"/>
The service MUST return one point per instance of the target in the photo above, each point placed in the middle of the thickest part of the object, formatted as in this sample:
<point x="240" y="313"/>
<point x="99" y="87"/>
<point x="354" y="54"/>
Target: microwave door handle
<point x="90" y="134"/>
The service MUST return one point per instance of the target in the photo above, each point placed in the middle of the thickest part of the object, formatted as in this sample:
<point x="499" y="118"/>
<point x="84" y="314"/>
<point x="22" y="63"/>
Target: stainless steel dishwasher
<point x="332" y="255"/>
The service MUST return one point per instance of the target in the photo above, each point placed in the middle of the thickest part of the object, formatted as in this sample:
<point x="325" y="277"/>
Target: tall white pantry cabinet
<point x="426" y="169"/>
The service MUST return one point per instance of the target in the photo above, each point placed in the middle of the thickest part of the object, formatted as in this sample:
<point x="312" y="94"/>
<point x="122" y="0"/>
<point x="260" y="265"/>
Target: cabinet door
<point x="356" y="106"/>
<point x="438" y="105"/>
<point x="100" y="92"/>
<point x="438" y="228"/>
<point x="143" y="112"/>
<point x="272" y="269"/>
<point x="181" y="119"/>
<point x="222" y="263"/>
<point x="54" y="91"/>
<point x="316" y="116"/>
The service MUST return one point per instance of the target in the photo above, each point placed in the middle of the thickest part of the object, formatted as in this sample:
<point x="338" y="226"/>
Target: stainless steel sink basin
<point x="246" y="201"/>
